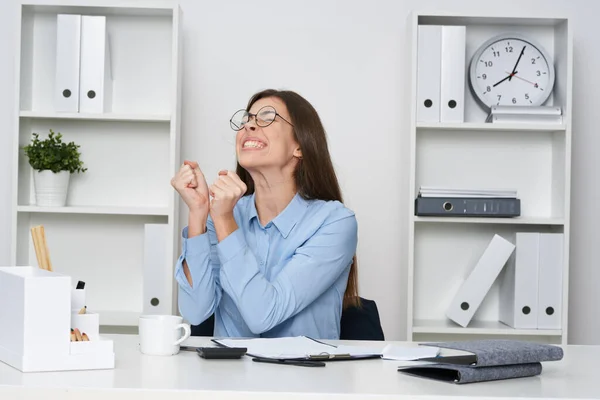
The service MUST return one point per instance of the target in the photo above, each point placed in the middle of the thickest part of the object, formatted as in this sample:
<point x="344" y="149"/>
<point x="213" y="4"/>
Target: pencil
<point x="78" y="335"/>
<point x="42" y="254"/>
<point x="37" y="247"/>
<point x="45" y="249"/>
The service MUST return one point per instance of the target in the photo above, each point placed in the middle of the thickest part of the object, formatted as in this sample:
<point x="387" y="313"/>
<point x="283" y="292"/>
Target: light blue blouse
<point x="287" y="278"/>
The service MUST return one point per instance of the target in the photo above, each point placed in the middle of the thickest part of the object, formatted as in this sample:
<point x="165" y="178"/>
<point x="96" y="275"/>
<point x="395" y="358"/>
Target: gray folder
<point x="483" y="360"/>
<point x="466" y="374"/>
<point x="490" y="352"/>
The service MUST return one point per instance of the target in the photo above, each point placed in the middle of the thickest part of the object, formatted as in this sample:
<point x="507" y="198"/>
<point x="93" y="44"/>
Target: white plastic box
<point x="35" y="324"/>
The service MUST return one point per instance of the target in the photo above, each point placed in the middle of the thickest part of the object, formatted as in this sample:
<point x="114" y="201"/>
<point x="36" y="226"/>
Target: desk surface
<point x="152" y="377"/>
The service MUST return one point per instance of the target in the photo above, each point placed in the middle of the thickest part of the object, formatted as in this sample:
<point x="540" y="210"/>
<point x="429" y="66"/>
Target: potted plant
<point x="53" y="162"/>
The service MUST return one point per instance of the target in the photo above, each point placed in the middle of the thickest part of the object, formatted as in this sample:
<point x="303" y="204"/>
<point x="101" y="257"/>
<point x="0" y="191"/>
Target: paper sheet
<point x="288" y="347"/>
<point x="408" y="353"/>
<point x="304" y="347"/>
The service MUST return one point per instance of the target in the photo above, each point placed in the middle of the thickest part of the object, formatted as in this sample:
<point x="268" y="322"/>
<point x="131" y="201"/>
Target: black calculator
<point x="221" y="352"/>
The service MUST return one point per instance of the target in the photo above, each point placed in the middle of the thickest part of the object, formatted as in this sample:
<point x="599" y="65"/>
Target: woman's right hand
<point x="191" y="185"/>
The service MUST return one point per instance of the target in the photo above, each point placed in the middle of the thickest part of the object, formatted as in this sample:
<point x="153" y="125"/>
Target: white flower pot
<point x="51" y="188"/>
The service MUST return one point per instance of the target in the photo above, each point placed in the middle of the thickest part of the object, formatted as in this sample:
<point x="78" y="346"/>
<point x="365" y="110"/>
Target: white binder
<point x="519" y="285"/>
<point x="429" y="42"/>
<point x="474" y="289"/>
<point x="550" y="281"/>
<point x="156" y="269"/>
<point x="95" y="85"/>
<point x="66" y="84"/>
<point x="452" y="83"/>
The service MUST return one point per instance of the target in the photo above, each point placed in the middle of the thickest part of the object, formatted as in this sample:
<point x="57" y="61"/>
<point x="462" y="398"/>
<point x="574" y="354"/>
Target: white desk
<point x="187" y="376"/>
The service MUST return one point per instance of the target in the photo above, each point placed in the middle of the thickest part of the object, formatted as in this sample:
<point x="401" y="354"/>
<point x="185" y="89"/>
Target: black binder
<point x="467" y="207"/>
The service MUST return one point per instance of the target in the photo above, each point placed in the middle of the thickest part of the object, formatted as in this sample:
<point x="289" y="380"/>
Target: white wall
<point x="349" y="58"/>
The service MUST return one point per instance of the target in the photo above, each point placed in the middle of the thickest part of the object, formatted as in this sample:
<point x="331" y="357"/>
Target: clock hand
<point x="500" y="81"/>
<point x="523" y="79"/>
<point x="514" y="71"/>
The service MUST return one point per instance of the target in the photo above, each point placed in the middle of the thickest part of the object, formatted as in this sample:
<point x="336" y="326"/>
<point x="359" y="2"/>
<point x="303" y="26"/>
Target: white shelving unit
<point x="131" y="153"/>
<point x="162" y="211"/>
<point x="532" y="158"/>
<point x="95" y="117"/>
<point x="483" y="127"/>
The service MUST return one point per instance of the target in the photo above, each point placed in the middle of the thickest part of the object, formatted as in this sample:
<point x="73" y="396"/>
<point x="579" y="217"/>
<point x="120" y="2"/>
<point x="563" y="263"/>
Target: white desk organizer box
<point x="88" y="323"/>
<point x="36" y="316"/>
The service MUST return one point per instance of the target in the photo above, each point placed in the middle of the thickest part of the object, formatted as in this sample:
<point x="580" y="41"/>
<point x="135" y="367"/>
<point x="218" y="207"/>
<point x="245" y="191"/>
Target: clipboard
<point x="343" y="356"/>
<point x="299" y="351"/>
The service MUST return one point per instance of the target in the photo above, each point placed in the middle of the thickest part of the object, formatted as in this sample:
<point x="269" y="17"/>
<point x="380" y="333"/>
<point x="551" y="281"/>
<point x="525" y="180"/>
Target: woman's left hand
<point x="226" y="191"/>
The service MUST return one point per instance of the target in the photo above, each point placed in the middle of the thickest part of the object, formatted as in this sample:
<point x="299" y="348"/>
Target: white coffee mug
<point x="160" y="335"/>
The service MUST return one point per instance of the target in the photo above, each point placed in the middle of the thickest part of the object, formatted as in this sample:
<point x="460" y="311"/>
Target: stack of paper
<point x="431" y="191"/>
<point x="526" y="114"/>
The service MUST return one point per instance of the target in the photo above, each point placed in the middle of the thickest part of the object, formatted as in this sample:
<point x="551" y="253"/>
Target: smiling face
<point x="274" y="146"/>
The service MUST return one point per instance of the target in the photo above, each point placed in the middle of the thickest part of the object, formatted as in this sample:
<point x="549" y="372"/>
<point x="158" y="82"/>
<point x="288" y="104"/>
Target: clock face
<point x="511" y="71"/>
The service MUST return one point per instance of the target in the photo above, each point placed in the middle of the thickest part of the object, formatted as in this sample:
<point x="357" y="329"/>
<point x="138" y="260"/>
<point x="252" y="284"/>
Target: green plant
<point x="53" y="154"/>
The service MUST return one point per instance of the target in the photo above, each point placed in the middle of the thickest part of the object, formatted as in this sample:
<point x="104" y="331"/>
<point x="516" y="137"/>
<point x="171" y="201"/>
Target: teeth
<point x="254" y="144"/>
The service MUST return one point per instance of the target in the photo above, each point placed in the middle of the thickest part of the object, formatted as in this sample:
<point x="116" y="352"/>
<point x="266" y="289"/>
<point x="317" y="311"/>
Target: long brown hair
<point x="315" y="176"/>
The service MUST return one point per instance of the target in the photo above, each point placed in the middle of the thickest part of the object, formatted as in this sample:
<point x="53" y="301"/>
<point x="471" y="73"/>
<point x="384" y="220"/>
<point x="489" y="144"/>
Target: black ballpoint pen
<point x="300" y="363"/>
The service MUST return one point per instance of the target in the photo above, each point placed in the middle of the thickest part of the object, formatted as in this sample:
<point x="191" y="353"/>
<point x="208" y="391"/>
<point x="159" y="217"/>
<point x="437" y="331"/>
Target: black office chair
<point x="206" y="328"/>
<point x="357" y="323"/>
<point x="361" y="323"/>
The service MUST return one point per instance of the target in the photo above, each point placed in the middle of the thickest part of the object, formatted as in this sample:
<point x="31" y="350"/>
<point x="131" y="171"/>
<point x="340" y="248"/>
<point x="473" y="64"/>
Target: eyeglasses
<point x="264" y="117"/>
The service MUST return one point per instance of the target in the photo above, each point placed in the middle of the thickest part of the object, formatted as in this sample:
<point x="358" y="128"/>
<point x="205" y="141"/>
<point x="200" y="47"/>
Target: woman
<point x="272" y="254"/>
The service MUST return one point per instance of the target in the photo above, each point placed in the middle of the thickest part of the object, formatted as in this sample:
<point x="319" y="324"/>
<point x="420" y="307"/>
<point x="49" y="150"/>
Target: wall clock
<point x="511" y="69"/>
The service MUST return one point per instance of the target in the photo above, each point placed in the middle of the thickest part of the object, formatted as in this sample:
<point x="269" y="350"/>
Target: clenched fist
<point x="191" y="186"/>
<point x="227" y="189"/>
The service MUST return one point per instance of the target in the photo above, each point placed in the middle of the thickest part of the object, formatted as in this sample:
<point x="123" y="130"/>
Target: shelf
<point x="510" y="18"/>
<point x="478" y="328"/>
<point x="160" y="211"/>
<point x="505" y="221"/>
<point x="96" y="117"/>
<point x="119" y="318"/>
<point x="158" y="8"/>
<point x="476" y="126"/>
